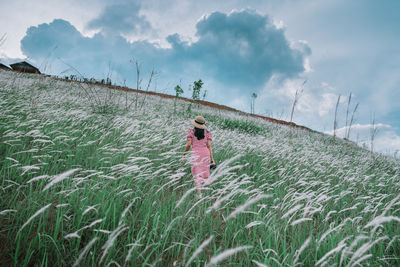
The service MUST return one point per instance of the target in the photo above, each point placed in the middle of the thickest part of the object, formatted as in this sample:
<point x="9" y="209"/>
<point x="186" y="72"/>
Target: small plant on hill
<point x="178" y="93"/>
<point x="348" y="125"/>
<point x="196" y="91"/>
<point x="373" y="131"/>
<point x="204" y="94"/>
<point x="139" y="106"/>
<point x="299" y="92"/>
<point x="335" y="119"/>
<point x="253" y="100"/>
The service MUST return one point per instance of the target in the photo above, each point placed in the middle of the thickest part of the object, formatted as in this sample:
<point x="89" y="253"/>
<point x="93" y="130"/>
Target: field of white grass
<point x="84" y="181"/>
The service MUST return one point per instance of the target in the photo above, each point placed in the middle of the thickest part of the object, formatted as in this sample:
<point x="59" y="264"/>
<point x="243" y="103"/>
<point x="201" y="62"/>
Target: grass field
<point x="86" y="182"/>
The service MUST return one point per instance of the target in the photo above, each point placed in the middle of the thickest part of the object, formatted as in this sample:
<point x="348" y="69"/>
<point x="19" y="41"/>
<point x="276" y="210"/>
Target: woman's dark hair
<point x="199" y="133"/>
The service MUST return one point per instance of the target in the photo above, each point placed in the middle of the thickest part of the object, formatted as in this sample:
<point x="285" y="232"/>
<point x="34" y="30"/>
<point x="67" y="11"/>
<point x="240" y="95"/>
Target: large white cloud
<point x="384" y="139"/>
<point x="316" y="101"/>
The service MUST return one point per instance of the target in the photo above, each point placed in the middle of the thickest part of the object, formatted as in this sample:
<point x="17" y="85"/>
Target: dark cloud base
<point x="240" y="50"/>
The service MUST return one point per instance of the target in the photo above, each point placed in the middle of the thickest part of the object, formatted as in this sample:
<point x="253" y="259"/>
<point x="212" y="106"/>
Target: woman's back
<point x="196" y="143"/>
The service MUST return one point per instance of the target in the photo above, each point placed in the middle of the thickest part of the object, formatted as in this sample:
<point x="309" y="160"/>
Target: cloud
<point x="388" y="142"/>
<point x="315" y="104"/>
<point x="360" y="128"/>
<point x="386" y="139"/>
<point x="59" y="41"/>
<point x="120" y="18"/>
<point x="239" y="51"/>
<point x="245" y="48"/>
<point x="41" y="40"/>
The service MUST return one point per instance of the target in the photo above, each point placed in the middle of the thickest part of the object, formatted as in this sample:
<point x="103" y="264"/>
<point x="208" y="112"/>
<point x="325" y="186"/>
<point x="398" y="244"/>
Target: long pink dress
<point x="200" y="156"/>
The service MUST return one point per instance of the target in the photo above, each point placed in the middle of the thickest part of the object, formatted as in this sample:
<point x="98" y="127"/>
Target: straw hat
<point x="199" y="122"/>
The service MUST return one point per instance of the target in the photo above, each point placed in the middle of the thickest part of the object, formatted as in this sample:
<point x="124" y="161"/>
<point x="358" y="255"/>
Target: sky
<point x="323" y="49"/>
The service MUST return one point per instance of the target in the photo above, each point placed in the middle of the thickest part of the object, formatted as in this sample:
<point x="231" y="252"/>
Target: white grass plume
<point x="391" y="242"/>
<point x="59" y="178"/>
<point x="225" y="254"/>
<point x="166" y="184"/>
<point x="33" y="150"/>
<point x="110" y="242"/>
<point x="13" y="160"/>
<point x="249" y="202"/>
<point x="199" y="249"/>
<point x="300" y="221"/>
<point x="363" y="258"/>
<point x="37" y="178"/>
<point x="381" y="219"/>
<point x="123" y="191"/>
<point x="221" y="172"/>
<point x="222" y="169"/>
<point x="329" y="214"/>
<point x="90" y="208"/>
<point x="259" y="264"/>
<point x="292" y="210"/>
<point x="300" y="250"/>
<point x="391" y="203"/>
<point x="102" y="231"/>
<point x="195" y="205"/>
<point x="358" y="255"/>
<point x="28" y="168"/>
<point x="84" y="251"/>
<point x="184" y="196"/>
<point x="218" y="202"/>
<point x="326" y="233"/>
<point x="170" y="226"/>
<point x="255" y="223"/>
<point x="132" y="247"/>
<point x="339" y="247"/>
<point x="377" y="222"/>
<point x="75" y="234"/>
<point x="4" y="212"/>
<point x="187" y="246"/>
<point x="42" y="141"/>
<point x="33" y="216"/>
<point x="12" y="182"/>
<point x="126" y="210"/>
<point x="113" y="262"/>
<point x="268" y="250"/>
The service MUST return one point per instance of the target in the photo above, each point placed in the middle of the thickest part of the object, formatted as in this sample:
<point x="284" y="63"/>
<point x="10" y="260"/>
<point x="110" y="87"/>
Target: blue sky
<point x="235" y="47"/>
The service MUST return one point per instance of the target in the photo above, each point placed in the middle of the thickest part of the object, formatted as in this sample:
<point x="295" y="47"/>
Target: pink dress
<point x="200" y="156"/>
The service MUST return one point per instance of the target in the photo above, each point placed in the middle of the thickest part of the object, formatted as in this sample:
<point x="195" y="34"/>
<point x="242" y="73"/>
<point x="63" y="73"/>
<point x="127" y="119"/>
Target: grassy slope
<point x="294" y="196"/>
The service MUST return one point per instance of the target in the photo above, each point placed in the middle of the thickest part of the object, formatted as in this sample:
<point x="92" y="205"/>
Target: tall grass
<point x="83" y="188"/>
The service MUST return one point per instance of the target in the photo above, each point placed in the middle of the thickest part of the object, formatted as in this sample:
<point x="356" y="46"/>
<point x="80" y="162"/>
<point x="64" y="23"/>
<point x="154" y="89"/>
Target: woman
<point x="200" y="141"/>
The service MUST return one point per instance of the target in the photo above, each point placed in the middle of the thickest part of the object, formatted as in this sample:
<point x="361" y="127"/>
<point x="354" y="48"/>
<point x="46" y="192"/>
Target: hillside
<point x="87" y="179"/>
<point x="202" y="102"/>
